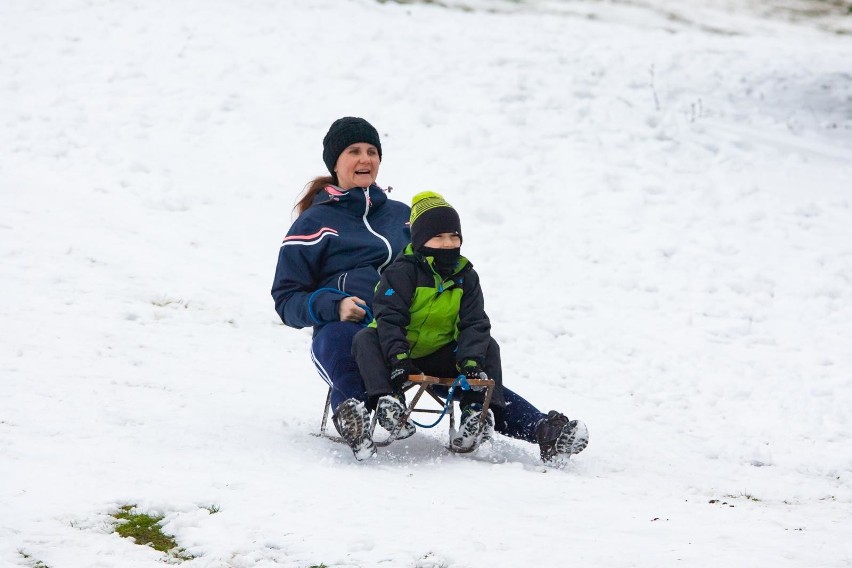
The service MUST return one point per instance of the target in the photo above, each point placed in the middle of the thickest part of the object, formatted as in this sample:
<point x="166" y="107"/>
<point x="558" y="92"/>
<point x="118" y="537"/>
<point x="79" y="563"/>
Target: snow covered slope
<point x="660" y="212"/>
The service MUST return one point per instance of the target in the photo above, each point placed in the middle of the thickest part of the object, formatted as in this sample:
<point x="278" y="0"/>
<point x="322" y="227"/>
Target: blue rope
<point x="367" y="318"/>
<point x="461" y="381"/>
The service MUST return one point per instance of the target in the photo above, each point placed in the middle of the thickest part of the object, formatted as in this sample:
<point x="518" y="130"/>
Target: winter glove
<point x="471" y="370"/>
<point x="400" y="368"/>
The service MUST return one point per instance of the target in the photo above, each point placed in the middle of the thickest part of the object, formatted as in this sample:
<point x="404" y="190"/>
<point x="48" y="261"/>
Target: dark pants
<point x="331" y="352"/>
<point x="514" y="416"/>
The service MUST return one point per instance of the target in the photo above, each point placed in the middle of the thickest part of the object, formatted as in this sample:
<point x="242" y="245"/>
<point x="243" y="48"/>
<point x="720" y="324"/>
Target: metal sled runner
<point x="425" y="384"/>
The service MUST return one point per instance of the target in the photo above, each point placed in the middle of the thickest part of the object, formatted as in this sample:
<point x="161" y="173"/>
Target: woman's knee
<point x="335" y="338"/>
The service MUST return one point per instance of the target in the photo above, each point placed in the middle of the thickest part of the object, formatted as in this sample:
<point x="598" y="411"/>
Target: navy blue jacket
<point x="342" y="241"/>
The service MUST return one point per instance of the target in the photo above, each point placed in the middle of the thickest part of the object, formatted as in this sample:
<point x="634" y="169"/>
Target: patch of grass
<point x="318" y="566"/>
<point x="212" y="509"/>
<point x="32" y="561"/>
<point x="145" y="530"/>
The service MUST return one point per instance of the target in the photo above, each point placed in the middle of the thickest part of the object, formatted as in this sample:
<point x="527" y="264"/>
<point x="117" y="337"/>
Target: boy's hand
<point x="472" y="370"/>
<point x="400" y="369"/>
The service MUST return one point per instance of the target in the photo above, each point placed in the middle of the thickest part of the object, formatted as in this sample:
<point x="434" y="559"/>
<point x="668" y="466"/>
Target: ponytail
<point x="311" y="189"/>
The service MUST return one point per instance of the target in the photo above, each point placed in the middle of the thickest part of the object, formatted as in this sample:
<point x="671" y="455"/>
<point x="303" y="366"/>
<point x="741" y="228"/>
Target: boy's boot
<point x="352" y="420"/>
<point x="466" y="437"/>
<point x="558" y="436"/>
<point x="389" y="411"/>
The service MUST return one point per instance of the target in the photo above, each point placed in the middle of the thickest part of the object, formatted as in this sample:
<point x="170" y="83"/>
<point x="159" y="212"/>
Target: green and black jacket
<point x="417" y="311"/>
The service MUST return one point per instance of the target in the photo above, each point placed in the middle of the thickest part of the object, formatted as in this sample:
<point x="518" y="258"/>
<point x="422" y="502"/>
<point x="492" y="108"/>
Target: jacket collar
<point x="353" y="199"/>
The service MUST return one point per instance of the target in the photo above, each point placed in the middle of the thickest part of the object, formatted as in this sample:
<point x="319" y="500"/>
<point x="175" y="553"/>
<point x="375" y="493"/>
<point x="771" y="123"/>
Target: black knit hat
<point x="344" y="132"/>
<point x="431" y="215"/>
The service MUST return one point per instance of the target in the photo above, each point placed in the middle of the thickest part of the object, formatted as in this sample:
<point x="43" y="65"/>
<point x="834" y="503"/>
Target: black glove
<point x="400" y="371"/>
<point x="400" y="368"/>
<point x="471" y="369"/>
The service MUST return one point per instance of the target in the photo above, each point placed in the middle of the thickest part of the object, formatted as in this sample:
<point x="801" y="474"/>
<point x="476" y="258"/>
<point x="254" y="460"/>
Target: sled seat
<point x="425" y="384"/>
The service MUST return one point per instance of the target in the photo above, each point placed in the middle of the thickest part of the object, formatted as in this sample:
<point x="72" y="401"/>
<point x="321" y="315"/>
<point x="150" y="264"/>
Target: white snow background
<point x="657" y="199"/>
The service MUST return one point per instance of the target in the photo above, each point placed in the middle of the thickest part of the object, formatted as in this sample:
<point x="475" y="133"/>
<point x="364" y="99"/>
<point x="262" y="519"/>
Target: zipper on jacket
<point x="370" y="228"/>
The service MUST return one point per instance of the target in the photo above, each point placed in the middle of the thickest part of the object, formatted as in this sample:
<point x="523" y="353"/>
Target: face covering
<point x="445" y="261"/>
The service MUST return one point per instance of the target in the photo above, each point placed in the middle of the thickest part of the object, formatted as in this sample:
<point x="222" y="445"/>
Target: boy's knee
<point x="364" y="339"/>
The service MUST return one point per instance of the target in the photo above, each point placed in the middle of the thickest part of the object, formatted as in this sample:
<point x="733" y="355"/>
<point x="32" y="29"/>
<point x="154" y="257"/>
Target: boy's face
<point x="444" y="241"/>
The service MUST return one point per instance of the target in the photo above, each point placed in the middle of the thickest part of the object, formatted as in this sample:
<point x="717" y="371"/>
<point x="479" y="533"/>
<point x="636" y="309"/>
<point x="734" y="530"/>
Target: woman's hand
<point x="348" y="310"/>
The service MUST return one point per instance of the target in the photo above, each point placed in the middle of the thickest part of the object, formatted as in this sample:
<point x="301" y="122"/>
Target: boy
<point x="430" y="316"/>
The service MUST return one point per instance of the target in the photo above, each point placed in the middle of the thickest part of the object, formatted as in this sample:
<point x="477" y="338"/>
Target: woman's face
<point x="357" y="166"/>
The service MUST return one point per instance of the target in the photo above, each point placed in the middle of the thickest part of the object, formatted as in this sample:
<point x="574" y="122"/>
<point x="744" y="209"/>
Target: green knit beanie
<point x="431" y="215"/>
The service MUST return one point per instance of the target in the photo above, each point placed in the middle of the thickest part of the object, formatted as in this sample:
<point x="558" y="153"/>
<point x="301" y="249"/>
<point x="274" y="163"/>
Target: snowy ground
<point x="660" y="211"/>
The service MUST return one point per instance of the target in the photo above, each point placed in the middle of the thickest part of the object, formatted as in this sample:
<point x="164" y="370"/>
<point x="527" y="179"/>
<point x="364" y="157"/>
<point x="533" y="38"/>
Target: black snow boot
<point x="558" y="436"/>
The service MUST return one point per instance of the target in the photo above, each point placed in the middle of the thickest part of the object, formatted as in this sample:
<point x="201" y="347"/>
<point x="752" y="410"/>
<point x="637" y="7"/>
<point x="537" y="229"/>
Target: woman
<point x="346" y="233"/>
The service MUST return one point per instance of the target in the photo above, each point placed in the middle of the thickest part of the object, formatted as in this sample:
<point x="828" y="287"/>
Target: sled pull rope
<point x="367" y="318"/>
<point x="461" y="381"/>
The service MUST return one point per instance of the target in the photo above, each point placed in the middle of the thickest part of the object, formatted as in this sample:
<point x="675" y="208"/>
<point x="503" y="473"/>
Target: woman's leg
<point x="518" y="418"/>
<point x="515" y="417"/>
<point x="331" y="352"/>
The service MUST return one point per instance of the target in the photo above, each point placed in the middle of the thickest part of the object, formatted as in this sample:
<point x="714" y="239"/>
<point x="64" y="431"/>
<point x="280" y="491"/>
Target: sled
<point x="425" y="385"/>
